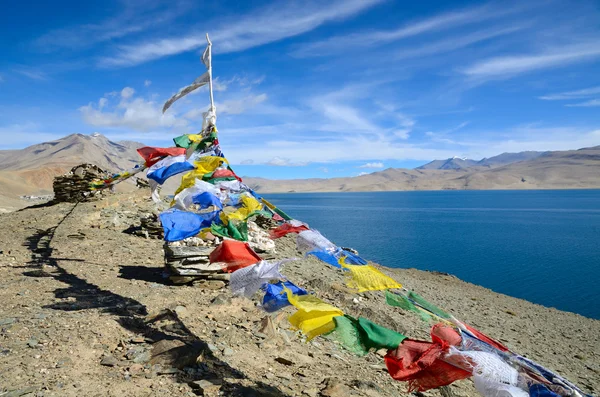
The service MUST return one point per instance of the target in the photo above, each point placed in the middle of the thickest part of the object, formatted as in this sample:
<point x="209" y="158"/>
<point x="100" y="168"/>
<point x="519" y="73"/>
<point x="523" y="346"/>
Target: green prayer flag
<point x="346" y="334"/>
<point x="235" y="229"/>
<point x="402" y="302"/>
<point x="378" y="337"/>
<point x="360" y="335"/>
<point x="182" y="141"/>
<point x="426" y="305"/>
<point x="282" y="214"/>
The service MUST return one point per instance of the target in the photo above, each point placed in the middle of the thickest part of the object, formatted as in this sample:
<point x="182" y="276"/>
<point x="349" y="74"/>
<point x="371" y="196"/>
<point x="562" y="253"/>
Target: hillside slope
<point x="85" y="312"/>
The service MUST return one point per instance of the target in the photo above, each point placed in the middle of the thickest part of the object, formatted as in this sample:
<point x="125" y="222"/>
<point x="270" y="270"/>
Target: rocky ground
<point x="85" y="311"/>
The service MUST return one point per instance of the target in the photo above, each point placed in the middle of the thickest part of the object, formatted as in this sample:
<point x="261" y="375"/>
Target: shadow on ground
<point x="132" y="315"/>
<point x="144" y="273"/>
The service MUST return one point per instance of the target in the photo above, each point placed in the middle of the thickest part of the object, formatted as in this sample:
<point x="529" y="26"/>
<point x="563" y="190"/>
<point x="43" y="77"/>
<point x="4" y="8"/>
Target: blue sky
<point x="308" y="89"/>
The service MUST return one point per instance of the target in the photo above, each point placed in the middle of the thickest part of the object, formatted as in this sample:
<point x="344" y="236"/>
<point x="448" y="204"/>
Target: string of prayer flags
<point x="367" y="278"/>
<point x="275" y="297"/>
<point x="246" y="281"/>
<point x="314" y="317"/>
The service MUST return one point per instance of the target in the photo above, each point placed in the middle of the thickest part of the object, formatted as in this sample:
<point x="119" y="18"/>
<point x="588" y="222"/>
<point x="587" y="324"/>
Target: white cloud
<point x="132" y="113"/>
<point x="369" y="39"/>
<point x="147" y="83"/>
<point x="583" y="93"/>
<point x="283" y="162"/>
<point x="363" y="173"/>
<point x="372" y="165"/>
<point x="247" y="162"/>
<point x="501" y="67"/>
<point x="237" y="106"/>
<point x="127" y="92"/>
<point x="590" y="103"/>
<point x="269" y="25"/>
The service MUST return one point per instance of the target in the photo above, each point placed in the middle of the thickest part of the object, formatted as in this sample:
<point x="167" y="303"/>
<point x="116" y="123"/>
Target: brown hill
<point x="32" y="170"/>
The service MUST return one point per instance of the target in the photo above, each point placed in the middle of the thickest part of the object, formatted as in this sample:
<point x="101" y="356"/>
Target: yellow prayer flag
<point x="204" y="165"/>
<point x="195" y="137"/>
<point x="250" y="203"/>
<point x="367" y="278"/>
<point x="314" y="317"/>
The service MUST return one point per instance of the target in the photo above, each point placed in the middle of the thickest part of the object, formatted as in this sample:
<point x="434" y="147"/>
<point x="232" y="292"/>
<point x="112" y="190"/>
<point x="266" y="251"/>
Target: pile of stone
<point x="150" y="226"/>
<point x="142" y="183"/>
<point x="74" y="186"/>
<point x="187" y="261"/>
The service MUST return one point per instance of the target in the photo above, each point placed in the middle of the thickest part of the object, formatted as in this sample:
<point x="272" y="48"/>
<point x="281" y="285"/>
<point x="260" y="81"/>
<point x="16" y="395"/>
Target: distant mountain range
<point x="456" y="163"/>
<point x="571" y="169"/>
<point x="31" y="170"/>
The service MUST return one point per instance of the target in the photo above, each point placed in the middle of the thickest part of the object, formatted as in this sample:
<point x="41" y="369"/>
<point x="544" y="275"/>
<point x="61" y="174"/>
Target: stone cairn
<point x="150" y="226"/>
<point x="74" y="186"/>
<point x="187" y="261"/>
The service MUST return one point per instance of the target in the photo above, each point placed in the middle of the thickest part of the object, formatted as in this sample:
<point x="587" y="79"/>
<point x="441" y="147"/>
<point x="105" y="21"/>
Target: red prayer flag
<point x="285" y="229"/>
<point x="153" y="155"/>
<point x="419" y="362"/>
<point x="235" y="255"/>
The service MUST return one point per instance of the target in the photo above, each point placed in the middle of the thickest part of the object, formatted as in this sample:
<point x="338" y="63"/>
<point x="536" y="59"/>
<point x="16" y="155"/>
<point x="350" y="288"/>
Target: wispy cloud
<point x="578" y="94"/>
<point x="284" y="162"/>
<point x="502" y="67"/>
<point x="457" y="42"/>
<point x="590" y="103"/>
<point x="31" y="73"/>
<point x="135" y="17"/>
<point x="369" y="39"/>
<point x="372" y="165"/>
<point x="266" y="26"/>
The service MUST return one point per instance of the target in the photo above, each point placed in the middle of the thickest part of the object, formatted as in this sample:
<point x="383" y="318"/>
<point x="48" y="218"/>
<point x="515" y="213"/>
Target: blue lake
<point x="538" y="245"/>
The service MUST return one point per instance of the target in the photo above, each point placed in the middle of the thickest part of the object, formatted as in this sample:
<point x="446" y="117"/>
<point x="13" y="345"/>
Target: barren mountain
<point x="32" y="170"/>
<point x="572" y="169"/>
<point x="453" y="163"/>
<point x="508" y="158"/>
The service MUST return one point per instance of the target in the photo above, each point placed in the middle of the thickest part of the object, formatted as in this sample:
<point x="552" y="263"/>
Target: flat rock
<point x="109" y="361"/>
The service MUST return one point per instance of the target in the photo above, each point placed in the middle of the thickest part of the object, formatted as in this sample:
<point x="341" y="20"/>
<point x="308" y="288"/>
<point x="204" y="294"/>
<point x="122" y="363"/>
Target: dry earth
<point x="86" y="312"/>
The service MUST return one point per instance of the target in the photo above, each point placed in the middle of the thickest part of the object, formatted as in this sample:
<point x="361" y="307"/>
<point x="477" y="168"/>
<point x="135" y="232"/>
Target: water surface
<point x="539" y="245"/>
